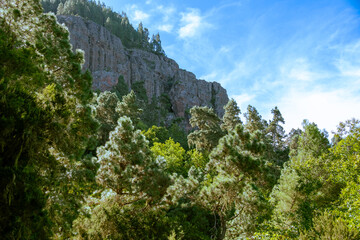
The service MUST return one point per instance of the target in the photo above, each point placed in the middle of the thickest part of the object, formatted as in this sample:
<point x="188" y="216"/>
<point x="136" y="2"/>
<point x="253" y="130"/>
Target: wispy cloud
<point x="140" y="16"/>
<point x="166" y="28"/>
<point x="191" y="24"/>
<point x="243" y="100"/>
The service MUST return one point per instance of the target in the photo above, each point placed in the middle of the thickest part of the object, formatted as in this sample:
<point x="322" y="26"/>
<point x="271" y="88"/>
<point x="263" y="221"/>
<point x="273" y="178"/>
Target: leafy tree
<point x="197" y="159"/>
<point x="292" y="141"/>
<point x="134" y="185"/>
<point x="156" y="134"/>
<point x="327" y="226"/>
<point x="156" y="44"/>
<point x="179" y="135"/>
<point x="173" y="154"/>
<point x="344" y="169"/>
<point x="231" y="116"/>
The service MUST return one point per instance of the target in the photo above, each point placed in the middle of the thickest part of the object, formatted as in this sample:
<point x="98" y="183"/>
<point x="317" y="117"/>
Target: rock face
<point x="107" y="59"/>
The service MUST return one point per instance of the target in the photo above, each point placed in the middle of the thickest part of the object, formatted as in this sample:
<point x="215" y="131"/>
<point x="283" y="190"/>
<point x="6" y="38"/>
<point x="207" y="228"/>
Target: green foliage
<point x="179" y="135"/>
<point x="198" y="159"/>
<point x="129" y="107"/>
<point x="234" y="194"/>
<point x="327" y="226"/>
<point x="106" y="104"/>
<point x="303" y="188"/>
<point x="173" y="154"/>
<point x="275" y="130"/>
<point x="47" y="125"/>
<point x="231" y="116"/>
<point x="206" y="137"/>
<point x="140" y="91"/>
<point x="110" y="219"/>
<point x="254" y="120"/>
<point x="156" y="134"/>
<point x="121" y="88"/>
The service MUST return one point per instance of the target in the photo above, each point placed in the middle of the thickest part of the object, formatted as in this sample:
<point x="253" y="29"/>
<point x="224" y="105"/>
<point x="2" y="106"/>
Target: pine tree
<point x="207" y="135"/>
<point x="231" y="116"/>
<point x="47" y="125"/>
<point x="254" y="120"/>
<point x="275" y="130"/>
<point x="129" y="107"/>
<point x="236" y="165"/>
<point x="106" y="114"/>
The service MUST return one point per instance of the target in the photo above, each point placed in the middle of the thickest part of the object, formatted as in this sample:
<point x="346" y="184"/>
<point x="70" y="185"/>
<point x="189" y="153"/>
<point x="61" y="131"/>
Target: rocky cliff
<point x="107" y="59"/>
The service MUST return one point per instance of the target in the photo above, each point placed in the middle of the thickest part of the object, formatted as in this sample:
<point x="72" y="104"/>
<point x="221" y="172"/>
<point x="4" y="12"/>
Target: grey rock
<point x="107" y="59"/>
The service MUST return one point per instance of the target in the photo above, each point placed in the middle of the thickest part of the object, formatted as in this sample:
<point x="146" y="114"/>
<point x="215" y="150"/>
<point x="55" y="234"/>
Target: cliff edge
<point x="107" y="59"/>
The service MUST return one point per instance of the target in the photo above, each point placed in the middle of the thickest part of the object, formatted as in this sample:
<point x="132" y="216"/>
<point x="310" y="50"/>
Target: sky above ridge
<point x="301" y="56"/>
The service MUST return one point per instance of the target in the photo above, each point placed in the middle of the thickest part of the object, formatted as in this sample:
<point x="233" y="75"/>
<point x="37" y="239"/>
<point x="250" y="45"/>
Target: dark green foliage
<point x="156" y="134"/>
<point x="46" y="125"/>
<point x="192" y="222"/>
<point x="106" y="114"/>
<point x="117" y="24"/>
<point x="179" y="135"/>
<point x="275" y="131"/>
<point x="140" y="91"/>
<point x="121" y="88"/>
<point x="206" y="137"/>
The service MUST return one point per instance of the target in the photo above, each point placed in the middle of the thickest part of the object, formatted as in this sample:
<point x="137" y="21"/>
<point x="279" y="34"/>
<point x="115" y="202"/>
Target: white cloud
<point x="140" y="16"/>
<point x="191" y="23"/>
<point x="325" y="108"/>
<point x="243" y="100"/>
<point x="166" y="28"/>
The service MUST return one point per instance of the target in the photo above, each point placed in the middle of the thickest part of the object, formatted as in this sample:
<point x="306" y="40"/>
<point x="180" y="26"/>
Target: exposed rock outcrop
<point x="107" y="59"/>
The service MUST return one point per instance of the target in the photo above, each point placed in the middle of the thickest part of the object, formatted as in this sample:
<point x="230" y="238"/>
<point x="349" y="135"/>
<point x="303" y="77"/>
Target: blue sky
<point x="302" y="56"/>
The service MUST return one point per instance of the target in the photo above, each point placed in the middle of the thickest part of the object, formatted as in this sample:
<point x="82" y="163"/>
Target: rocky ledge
<point x="107" y="59"/>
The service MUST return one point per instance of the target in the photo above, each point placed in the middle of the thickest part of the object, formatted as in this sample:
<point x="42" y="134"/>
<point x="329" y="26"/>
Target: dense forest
<point x="75" y="164"/>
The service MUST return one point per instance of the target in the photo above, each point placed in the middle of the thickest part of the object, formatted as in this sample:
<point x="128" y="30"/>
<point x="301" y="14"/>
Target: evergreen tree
<point x="234" y="192"/>
<point x="121" y="88"/>
<point x="301" y="189"/>
<point x="129" y="107"/>
<point x="106" y="104"/>
<point x="254" y="120"/>
<point x="207" y="135"/>
<point x="275" y="130"/>
<point x="47" y="125"/>
<point x="231" y="116"/>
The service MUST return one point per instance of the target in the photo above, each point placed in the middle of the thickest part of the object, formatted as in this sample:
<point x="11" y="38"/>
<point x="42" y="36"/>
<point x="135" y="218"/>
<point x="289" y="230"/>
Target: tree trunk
<point x="222" y="227"/>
